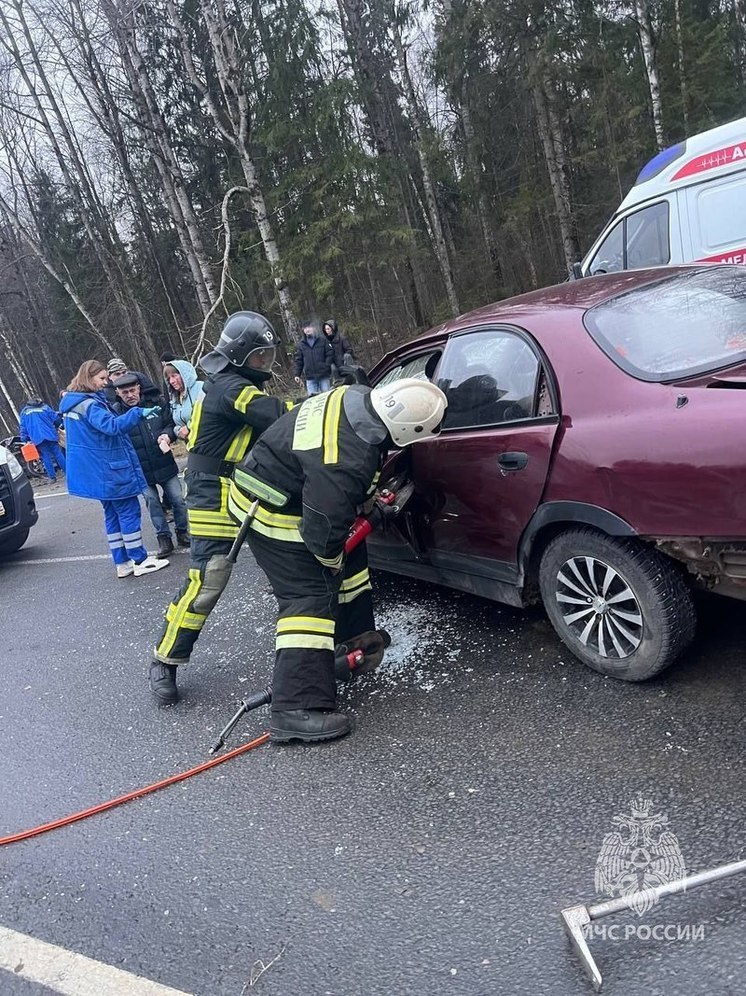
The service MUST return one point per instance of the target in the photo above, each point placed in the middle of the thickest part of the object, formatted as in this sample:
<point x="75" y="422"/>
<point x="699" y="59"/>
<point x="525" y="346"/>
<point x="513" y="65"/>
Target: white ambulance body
<point x="688" y="204"/>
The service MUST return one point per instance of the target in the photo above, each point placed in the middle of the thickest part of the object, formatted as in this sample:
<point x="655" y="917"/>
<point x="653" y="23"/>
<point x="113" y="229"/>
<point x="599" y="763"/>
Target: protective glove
<point x="373" y="643"/>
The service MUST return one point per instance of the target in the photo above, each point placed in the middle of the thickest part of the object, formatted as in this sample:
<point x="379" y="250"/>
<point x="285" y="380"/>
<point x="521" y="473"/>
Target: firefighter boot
<point x="308" y="725"/>
<point x="163" y="683"/>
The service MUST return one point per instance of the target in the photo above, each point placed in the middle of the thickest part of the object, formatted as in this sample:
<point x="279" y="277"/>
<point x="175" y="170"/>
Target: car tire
<point x="648" y="620"/>
<point x="9" y="546"/>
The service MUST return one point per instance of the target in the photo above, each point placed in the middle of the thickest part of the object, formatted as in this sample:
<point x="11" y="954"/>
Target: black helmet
<point x="244" y="332"/>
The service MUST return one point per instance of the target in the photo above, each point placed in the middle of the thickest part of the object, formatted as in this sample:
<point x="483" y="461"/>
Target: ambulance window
<point x="610" y="255"/>
<point x="640" y="239"/>
<point x="647" y="237"/>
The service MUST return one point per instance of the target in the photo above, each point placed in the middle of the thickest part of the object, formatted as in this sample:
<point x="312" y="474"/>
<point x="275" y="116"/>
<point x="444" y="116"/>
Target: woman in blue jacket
<point x="102" y="464"/>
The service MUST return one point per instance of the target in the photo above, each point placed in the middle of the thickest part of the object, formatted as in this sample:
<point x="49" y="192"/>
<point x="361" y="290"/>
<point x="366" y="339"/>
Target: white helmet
<point x="411" y="409"/>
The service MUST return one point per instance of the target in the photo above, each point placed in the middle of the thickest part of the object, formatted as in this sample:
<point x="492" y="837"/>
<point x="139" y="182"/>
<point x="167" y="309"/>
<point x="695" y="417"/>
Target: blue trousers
<point x="122" y="518"/>
<point x="172" y="490"/>
<point x="50" y="451"/>
<point x="317" y="385"/>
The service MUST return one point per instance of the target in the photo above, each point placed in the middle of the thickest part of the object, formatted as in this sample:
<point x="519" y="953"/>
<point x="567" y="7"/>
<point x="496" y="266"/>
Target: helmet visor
<point x="261" y="358"/>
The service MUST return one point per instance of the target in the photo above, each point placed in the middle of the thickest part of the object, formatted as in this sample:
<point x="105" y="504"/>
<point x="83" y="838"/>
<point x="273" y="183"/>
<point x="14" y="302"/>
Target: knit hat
<point x="115" y="364"/>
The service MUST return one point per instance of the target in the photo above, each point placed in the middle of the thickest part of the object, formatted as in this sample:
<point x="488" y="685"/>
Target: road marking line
<point x="52" y="494"/>
<point x="65" y="560"/>
<point x="69" y="973"/>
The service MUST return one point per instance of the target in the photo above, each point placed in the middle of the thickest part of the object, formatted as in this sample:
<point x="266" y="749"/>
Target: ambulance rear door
<point x="714" y="219"/>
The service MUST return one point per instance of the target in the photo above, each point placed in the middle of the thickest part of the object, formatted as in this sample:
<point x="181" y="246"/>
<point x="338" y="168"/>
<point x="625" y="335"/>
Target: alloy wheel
<point x="599" y="607"/>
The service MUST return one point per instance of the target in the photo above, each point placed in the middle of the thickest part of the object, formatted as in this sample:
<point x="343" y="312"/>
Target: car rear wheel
<point x="621" y="607"/>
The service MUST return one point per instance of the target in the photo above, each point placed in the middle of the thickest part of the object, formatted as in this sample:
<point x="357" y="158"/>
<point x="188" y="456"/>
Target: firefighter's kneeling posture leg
<point x="209" y="573"/>
<point x="306" y="594"/>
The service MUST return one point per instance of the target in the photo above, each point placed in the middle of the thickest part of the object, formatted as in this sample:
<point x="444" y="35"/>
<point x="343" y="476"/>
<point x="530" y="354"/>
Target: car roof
<point x="573" y="295"/>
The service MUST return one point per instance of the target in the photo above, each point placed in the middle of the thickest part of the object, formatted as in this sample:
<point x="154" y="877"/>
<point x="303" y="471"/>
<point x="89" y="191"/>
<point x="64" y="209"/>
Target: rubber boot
<point x="307" y="725"/>
<point x="163" y="683"/>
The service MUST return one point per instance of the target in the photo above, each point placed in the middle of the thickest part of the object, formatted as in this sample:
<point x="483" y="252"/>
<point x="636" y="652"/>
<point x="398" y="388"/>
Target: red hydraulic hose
<point x="137" y="794"/>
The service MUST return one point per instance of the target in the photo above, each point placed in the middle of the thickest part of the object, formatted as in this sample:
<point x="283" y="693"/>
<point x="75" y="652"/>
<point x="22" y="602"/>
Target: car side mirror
<point x="576" y="272"/>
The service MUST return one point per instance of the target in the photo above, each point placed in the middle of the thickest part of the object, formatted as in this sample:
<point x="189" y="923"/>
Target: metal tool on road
<point x="347" y="661"/>
<point x="577" y="919"/>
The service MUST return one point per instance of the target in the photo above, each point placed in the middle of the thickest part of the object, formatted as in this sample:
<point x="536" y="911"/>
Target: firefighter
<point x="226" y="421"/>
<point x="304" y="483"/>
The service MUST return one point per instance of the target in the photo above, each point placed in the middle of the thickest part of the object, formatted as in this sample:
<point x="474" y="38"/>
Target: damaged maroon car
<point x="593" y="457"/>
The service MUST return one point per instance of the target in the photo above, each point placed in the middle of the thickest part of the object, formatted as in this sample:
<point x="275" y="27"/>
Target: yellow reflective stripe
<point x="287" y="535"/>
<point x="209" y="518"/>
<point x="331" y="426"/>
<point x="245" y="397"/>
<point x="213" y="532"/>
<point x="176" y="613"/>
<point x="301" y="641"/>
<point x="331" y="561"/>
<point x="289" y="405"/>
<point x="311" y="623"/>
<point x="355" y="580"/>
<point x="238" y="500"/>
<point x="239" y="444"/>
<point x="194" y="423"/>
<point x="349" y="596"/>
<point x="278" y="518"/>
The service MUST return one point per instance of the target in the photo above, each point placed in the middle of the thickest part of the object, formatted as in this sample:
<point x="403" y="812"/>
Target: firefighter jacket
<point x="317" y="464"/>
<point x="227" y="419"/>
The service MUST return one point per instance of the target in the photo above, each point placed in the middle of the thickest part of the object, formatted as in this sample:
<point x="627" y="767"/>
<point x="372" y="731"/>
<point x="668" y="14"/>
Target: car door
<point x="480" y="480"/>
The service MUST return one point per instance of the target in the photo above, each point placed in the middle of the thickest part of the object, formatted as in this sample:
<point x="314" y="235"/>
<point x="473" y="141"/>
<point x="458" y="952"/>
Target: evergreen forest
<point x="388" y="163"/>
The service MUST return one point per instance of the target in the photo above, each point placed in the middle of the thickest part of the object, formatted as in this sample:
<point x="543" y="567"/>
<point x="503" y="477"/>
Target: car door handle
<point x="513" y="460"/>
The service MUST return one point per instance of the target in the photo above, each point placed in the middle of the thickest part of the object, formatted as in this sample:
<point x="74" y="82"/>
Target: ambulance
<point x="687" y="205"/>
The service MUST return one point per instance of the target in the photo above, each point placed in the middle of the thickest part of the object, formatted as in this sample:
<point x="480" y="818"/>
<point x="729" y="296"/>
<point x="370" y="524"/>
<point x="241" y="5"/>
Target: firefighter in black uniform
<point x="304" y="483"/>
<point x="226" y="422"/>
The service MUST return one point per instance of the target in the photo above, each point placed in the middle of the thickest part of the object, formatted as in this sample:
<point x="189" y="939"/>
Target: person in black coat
<point x="152" y="440"/>
<point x="341" y="347"/>
<point x="313" y="360"/>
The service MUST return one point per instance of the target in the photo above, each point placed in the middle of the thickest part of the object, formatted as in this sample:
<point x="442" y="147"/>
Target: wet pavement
<point x="430" y="852"/>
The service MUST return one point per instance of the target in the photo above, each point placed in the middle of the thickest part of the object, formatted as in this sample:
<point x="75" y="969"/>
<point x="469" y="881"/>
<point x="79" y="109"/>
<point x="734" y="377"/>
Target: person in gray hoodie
<point x="184" y="390"/>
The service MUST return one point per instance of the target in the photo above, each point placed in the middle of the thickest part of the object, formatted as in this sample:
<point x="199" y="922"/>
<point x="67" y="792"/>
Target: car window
<point x="641" y="239"/>
<point x="687" y="324"/>
<point x="489" y="377"/>
<point x="421" y="367"/>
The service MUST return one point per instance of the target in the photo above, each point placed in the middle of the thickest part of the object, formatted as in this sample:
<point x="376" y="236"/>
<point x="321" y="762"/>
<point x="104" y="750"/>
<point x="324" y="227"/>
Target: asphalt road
<point x="430" y="852"/>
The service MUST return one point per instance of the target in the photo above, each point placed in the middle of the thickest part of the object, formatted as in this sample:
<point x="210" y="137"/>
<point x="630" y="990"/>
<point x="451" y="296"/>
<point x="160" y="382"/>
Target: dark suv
<point x="17" y="507"/>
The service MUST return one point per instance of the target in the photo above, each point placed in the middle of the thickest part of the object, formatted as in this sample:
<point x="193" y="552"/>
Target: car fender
<point x="552" y="514"/>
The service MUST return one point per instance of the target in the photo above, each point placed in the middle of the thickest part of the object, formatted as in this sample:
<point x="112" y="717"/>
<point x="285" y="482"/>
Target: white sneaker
<point x="124" y="570"/>
<point x="149" y="565"/>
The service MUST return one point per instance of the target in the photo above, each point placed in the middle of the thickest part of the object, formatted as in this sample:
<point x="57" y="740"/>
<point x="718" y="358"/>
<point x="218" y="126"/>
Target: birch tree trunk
<point x="739" y="16"/>
<point x="647" y="43"/>
<point x="156" y="135"/>
<point x="552" y="141"/>
<point x="11" y="404"/>
<point x="433" y="210"/>
<point x="231" y="114"/>
<point x="682" y="67"/>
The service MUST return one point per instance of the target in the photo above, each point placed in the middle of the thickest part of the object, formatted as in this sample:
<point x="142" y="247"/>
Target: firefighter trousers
<point x="317" y="610"/>
<point x="187" y="614"/>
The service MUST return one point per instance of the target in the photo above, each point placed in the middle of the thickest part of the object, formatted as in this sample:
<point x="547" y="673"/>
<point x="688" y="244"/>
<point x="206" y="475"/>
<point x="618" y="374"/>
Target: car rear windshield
<point x="683" y="325"/>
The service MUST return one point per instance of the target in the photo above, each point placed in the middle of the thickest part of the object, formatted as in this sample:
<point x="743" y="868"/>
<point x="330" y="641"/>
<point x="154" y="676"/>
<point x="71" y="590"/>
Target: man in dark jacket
<point x="341" y="348"/>
<point x="39" y="424"/>
<point x="116" y="367"/>
<point x="152" y="440"/>
<point x="313" y="360"/>
<point x="226" y="421"/>
<point x="303" y="483"/>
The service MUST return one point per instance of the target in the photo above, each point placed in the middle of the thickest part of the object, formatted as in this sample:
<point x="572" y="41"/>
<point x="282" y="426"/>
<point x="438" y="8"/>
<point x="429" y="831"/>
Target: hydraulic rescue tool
<point x="349" y="660"/>
<point x="577" y="919"/>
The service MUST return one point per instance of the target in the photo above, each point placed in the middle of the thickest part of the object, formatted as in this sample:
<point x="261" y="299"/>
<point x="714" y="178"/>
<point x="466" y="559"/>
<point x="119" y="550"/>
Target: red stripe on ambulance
<point x="732" y="256"/>
<point x="712" y="160"/>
